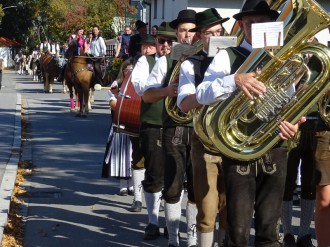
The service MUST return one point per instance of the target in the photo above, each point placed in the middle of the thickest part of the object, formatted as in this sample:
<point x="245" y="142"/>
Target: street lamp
<point x="13" y="6"/>
<point x="2" y="13"/>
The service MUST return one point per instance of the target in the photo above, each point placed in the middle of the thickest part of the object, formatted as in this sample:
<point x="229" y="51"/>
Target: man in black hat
<point x="176" y="138"/>
<point x="207" y="169"/>
<point x="251" y="186"/>
<point x="134" y="47"/>
<point x="148" y="49"/>
<point x="183" y="24"/>
<point x="151" y="130"/>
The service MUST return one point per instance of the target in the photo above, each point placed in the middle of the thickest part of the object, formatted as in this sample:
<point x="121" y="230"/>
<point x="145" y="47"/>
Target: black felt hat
<point x="184" y="16"/>
<point x="256" y="7"/>
<point x="206" y="18"/>
<point x="139" y="24"/>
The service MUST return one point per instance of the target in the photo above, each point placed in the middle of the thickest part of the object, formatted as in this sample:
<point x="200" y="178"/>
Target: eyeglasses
<point x="215" y="33"/>
<point x="162" y="41"/>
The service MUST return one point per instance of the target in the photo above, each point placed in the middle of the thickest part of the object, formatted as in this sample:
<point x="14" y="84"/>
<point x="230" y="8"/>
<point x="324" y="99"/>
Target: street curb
<point x="8" y="183"/>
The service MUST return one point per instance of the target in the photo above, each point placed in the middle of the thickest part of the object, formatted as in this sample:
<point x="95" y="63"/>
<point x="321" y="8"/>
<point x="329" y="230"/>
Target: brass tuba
<point x="199" y="116"/>
<point x="324" y="109"/>
<point x="245" y="129"/>
<point x="171" y="107"/>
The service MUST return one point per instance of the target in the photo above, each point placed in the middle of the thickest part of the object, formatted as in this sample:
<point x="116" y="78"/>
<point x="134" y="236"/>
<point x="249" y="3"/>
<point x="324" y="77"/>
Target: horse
<point x="34" y="67"/>
<point x="79" y="75"/>
<point x="50" y="68"/>
<point x="20" y="63"/>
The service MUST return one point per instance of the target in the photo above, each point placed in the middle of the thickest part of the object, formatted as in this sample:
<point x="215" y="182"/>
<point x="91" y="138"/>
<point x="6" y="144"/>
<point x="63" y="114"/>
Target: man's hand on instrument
<point x="249" y="84"/>
<point x="289" y="130"/>
<point x="172" y="90"/>
<point x="175" y="80"/>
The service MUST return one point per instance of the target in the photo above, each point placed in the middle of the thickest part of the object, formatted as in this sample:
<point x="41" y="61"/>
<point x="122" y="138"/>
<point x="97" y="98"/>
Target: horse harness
<point x="75" y="73"/>
<point x="79" y="70"/>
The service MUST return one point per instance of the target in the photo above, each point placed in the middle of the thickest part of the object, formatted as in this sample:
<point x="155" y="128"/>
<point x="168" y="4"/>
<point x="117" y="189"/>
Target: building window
<point x="163" y="10"/>
<point x="155" y="9"/>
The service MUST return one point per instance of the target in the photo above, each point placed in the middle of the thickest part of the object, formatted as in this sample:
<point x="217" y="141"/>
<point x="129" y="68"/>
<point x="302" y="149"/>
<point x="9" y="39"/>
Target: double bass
<point x="126" y="117"/>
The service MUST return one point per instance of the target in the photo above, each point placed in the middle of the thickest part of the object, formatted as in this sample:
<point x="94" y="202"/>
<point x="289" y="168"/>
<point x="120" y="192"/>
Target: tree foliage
<point x="33" y="21"/>
<point x="1" y="13"/>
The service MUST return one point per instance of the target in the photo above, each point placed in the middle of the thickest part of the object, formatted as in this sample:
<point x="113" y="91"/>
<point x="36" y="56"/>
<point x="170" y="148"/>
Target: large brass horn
<point x="244" y="129"/>
<point x="324" y="109"/>
<point x="171" y="107"/>
<point x="199" y="115"/>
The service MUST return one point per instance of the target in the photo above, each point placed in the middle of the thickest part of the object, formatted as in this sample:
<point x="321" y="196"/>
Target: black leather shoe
<point x="130" y="192"/>
<point x="151" y="232"/>
<point x="305" y="241"/>
<point x="289" y="241"/>
<point x="136" y="206"/>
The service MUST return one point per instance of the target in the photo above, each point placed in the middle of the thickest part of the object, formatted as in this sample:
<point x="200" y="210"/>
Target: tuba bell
<point x="199" y="115"/>
<point x="246" y="129"/>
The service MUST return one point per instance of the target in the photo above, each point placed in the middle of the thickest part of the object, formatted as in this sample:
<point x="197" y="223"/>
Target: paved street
<point x="69" y="204"/>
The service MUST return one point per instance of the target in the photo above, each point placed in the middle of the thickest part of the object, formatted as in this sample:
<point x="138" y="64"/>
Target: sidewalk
<point x="10" y="144"/>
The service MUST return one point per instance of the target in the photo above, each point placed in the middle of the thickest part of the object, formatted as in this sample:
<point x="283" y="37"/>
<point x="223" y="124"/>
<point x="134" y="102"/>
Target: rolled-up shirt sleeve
<point x="218" y="84"/>
<point x="157" y="76"/>
<point x="186" y="81"/>
<point x="111" y="96"/>
<point x="140" y="75"/>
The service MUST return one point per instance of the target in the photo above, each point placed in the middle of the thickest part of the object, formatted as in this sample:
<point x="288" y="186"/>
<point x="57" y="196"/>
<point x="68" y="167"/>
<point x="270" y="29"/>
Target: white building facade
<point x="157" y="11"/>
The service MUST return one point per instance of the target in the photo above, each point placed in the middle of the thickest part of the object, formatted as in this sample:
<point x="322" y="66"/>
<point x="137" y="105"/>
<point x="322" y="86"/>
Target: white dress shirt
<point x="45" y="44"/>
<point x="140" y="74"/>
<point x="218" y="83"/>
<point x="187" y="84"/>
<point x="54" y="48"/>
<point x="157" y="76"/>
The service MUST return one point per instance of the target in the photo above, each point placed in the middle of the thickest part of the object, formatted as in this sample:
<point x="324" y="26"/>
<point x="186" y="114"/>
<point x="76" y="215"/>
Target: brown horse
<point x="50" y="69"/>
<point x="78" y="75"/>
